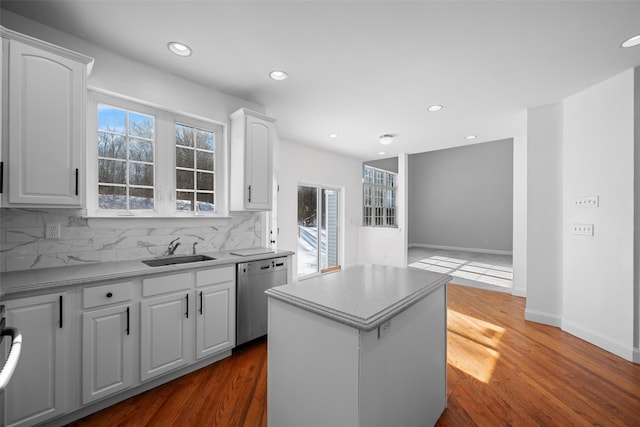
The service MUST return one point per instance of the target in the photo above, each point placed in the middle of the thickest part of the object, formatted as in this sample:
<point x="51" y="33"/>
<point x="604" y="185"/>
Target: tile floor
<point x="480" y="270"/>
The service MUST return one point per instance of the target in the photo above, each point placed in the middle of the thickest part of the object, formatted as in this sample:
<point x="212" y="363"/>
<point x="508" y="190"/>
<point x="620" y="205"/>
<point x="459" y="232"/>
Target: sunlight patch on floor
<point x="473" y="345"/>
<point x="490" y="274"/>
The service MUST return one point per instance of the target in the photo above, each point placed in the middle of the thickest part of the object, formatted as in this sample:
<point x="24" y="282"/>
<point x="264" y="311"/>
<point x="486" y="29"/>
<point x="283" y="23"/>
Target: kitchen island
<point x="365" y="346"/>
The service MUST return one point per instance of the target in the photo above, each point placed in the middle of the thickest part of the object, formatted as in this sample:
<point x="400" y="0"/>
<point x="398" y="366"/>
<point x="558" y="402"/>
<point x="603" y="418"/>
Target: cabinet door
<point x="164" y="334"/>
<point x="45" y="126"/>
<point x="38" y="389"/>
<point x="106" y="352"/>
<point x="216" y="317"/>
<point x="258" y="165"/>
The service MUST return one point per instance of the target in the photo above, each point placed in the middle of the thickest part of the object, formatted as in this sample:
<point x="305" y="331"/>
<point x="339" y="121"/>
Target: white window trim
<point x="164" y="159"/>
<point x="373" y="186"/>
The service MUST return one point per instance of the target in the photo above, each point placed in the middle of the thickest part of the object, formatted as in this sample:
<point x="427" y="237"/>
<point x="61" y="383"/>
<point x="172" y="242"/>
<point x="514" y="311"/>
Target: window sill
<point x="150" y="221"/>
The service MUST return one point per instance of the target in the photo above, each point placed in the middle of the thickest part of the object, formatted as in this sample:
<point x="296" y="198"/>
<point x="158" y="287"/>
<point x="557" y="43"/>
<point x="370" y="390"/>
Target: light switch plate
<point x="583" y="229"/>
<point x="586" y="202"/>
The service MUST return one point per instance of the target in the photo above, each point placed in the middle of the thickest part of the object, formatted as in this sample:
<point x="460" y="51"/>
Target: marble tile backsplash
<point x="23" y="245"/>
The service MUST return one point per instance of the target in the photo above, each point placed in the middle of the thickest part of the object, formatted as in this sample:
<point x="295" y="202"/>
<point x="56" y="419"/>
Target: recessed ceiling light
<point x="334" y="136"/>
<point x="179" y="49"/>
<point x="471" y="137"/>
<point x="633" y="41"/>
<point x="382" y="153"/>
<point x="386" y="139"/>
<point x="434" y="108"/>
<point x="278" y="75"/>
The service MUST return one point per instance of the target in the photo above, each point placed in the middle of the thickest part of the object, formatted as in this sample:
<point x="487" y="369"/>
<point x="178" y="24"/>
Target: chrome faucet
<point x="172" y="246"/>
<point x="193" y="248"/>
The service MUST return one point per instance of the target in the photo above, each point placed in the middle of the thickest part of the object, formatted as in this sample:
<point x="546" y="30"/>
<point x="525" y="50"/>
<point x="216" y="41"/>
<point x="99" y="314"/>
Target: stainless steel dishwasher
<point x="253" y="279"/>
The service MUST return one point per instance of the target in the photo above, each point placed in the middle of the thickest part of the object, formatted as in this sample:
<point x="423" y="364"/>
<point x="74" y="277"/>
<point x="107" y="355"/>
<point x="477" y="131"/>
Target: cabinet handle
<point x="127" y="321"/>
<point x="61" y="315"/>
<point x="187" y="298"/>
<point x="249" y="193"/>
<point x="109" y="294"/>
<point x="200" y="302"/>
<point x="77" y="181"/>
<point x="1" y="176"/>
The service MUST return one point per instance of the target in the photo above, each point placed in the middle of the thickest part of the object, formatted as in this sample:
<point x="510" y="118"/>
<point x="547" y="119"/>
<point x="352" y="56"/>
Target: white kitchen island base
<point x="323" y="372"/>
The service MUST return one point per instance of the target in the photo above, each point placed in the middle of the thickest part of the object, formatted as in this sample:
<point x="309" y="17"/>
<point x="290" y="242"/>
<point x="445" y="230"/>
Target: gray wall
<point x="390" y="164"/>
<point x="463" y="197"/>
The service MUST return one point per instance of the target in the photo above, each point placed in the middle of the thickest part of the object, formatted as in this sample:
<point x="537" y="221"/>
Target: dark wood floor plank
<point x="502" y="371"/>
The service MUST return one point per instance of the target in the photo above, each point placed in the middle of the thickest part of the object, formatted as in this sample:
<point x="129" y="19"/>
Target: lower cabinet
<point x="215" y="321"/>
<point x="164" y="334"/>
<point x="106" y="352"/>
<point x="38" y="389"/>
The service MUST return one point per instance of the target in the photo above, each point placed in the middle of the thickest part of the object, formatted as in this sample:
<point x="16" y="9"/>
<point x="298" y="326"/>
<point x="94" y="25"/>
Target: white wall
<point x="302" y="164"/>
<point x="598" y="159"/>
<point x="520" y="212"/>
<point x="387" y="245"/>
<point x="544" y="225"/>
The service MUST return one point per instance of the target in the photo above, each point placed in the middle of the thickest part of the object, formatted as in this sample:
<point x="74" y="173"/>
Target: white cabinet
<point x="166" y="324"/>
<point x="107" y="358"/>
<point x="44" y="147"/>
<point x="252" y="136"/>
<point x="216" y="317"/>
<point x="38" y="389"/>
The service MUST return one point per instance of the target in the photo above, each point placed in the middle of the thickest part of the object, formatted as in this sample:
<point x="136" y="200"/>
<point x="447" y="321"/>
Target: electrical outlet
<point x="583" y="229"/>
<point x="586" y="202"/>
<point x="52" y="231"/>
<point x="384" y="329"/>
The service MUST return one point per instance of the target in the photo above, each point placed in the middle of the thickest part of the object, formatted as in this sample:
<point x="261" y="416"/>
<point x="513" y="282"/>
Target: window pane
<point x="111" y="197"/>
<point x="141" y="150"/>
<point x="141" y="125"/>
<point x="205" y="140"/>
<point x="112" y="171"/>
<point x="184" y="201"/>
<point x="141" y="198"/>
<point x="205" y="181"/>
<point x="205" y="160"/>
<point x="184" y="179"/>
<point x="113" y="146"/>
<point x="307" y="230"/>
<point x="205" y="202"/>
<point x="111" y="119"/>
<point x="140" y="174"/>
<point x="184" y="157"/>
<point x="184" y="136"/>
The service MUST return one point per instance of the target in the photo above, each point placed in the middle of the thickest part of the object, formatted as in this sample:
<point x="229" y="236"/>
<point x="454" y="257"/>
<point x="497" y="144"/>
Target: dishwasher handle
<point x="14" y="355"/>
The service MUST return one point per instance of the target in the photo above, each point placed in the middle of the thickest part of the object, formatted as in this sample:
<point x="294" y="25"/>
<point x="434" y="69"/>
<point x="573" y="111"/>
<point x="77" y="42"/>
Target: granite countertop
<point x="21" y="283"/>
<point x="361" y="296"/>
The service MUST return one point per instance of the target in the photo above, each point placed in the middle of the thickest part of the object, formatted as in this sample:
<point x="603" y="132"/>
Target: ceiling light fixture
<point x="334" y="136"/>
<point x="278" y="75"/>
<point x="471" y="137"/>
<point x="179" y="49"/>
<point x="630" y="42"/>
<point x="382" y="153"/>
<point x="386" y="139"/>
<point x="435" y="108"/>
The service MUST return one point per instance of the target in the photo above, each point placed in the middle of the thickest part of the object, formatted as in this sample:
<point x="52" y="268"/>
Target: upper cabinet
<point x="252" y="136"/>
<point x="43" y="123"/>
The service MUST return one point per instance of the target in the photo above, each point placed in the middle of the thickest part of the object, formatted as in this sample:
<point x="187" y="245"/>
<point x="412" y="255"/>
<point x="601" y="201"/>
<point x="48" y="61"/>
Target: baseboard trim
<point x="455" y="248"/>
<point x="542" y="317"/>
<point x="519" y="292"/>
<point x="612" y="346"/>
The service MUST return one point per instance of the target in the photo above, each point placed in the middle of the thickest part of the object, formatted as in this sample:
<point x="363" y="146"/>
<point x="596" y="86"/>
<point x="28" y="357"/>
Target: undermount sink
<point x="183" y="259"/>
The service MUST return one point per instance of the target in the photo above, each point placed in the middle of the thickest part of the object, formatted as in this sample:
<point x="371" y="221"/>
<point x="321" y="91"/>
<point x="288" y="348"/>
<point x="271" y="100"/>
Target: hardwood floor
<point x="502" y="371"/>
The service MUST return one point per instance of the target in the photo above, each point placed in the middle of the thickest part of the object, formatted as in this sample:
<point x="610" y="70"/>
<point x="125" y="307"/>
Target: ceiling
<point x="366" y="68"/>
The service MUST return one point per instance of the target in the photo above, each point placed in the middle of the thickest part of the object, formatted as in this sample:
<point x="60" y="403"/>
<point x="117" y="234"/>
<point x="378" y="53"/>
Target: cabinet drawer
<point x="215" y="275"/>
<point x="165" y="284"/>
<point x="106" y="294"/>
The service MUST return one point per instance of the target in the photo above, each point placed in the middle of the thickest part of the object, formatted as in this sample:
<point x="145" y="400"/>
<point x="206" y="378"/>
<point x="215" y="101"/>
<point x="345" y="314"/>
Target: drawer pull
<point x="109" y="294"/>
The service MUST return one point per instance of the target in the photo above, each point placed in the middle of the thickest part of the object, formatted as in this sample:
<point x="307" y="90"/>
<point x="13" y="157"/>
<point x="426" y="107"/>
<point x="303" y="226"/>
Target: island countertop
<point x="361" y="296"/>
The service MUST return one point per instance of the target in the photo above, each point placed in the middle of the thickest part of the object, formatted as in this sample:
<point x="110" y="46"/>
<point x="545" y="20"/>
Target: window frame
<point x="164" y="159"/>
<point x="384" y="189"/>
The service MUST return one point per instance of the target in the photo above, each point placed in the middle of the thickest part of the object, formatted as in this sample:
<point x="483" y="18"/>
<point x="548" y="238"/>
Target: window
<point x="125" y="159"/>
<point x="379" y="197"/>
<point x="152" y="162"/>
<point x="195" y="175"/>
<point x="318" y="227"/>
